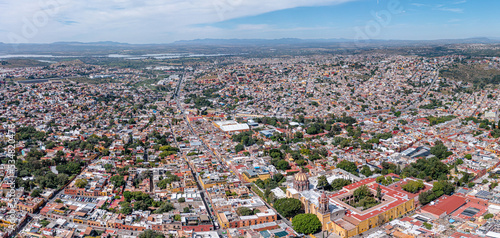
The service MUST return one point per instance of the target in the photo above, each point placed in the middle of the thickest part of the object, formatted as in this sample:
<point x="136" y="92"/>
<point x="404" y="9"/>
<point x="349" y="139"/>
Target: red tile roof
<point x="446" y="204"/>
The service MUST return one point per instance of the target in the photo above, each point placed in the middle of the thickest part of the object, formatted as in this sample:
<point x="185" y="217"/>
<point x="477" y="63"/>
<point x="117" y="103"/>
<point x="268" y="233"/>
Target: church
<point x="338" y="217"/>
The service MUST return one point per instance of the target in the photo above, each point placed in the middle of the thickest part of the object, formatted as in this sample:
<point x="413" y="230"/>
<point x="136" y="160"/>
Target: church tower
<point x="323" y="204"/>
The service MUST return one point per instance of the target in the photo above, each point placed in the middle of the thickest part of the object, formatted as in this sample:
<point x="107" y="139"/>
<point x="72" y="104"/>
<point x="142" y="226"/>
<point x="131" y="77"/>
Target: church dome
<point x="301" y="177"/>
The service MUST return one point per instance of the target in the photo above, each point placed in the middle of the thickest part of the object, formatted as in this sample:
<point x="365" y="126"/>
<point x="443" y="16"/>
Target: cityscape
<point x="258" y="137"/>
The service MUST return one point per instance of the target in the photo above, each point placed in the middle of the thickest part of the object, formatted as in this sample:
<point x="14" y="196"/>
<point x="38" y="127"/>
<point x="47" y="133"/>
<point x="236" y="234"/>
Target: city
<point x="249" y="119"/>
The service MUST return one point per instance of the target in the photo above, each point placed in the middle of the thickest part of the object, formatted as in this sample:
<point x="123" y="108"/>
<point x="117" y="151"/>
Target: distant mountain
<point x="222" y="46"/>
<point x="256" y="41"/>
<point x="111" y="43"/>
<point x="483" y="40"/>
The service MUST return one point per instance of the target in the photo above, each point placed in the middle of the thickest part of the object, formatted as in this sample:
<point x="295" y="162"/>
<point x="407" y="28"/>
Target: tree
<point x="126" y="208"/>
<point x="288" y="207"/>
<point x="245" y="211"/>
<point x="440" y="150"/>
<point x="379" y="193"/>
<point x="151" y="234"/>
<point x="468" y="156"/>
<point x="488" y="216"/>
<point x="428" y="169"/>
<point x="413" y="186"/>
<point x="306" y="223"/>
<point x="283" y="165"/>
<point x="166" y="207"/>
<point x="117" y="180"/>
<point x="348" y="166"/>
<point x="238" y="148"/>
<point x="338" y="184"/>
<point x="426" y="197"/>
<point x="36" y="192"/>
<point x="427" y="226"/>
<point x="323" y="182"/>
<point x="366" y="171"/>
<point x="299" y="135"/>
<point x="361" y="192"/>
<point x="81" y="183"/>
<point x="181" y="200"/>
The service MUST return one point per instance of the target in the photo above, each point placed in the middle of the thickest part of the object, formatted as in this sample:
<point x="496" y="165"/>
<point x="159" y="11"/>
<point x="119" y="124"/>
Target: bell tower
<point x="323" y="204"/>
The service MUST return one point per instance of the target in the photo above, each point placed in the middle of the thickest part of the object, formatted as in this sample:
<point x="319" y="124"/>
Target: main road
<point x="207" y="148"/>
<point x="204" y="194"/>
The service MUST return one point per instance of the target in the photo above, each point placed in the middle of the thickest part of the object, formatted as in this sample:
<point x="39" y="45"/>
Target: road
<point x="207" y="148"/>
<point x="424" y="95"/>
<point x="204" y="196"/>
<point x="269" y="206"/>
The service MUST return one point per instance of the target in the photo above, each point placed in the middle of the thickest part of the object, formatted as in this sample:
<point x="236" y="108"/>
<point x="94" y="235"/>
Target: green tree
<point x="245" y="211"/>
<point x="427" y="226"/>
<point x="440" y="150"/>
<point x="151" y="234"/>
<point x="238" y="148"/>
<point x="117" y="180"/>
<point x="283" y="165"/>
<point x="288" y="207"/>
<point x="36" y="193"/>
<point x="338" y="184"/>
<point x="366" y="171"/>
<point x="379" y="193"/>
<point x="323" y="182"/>
<point x="361" y="192"/>
<point x="306" y="223"/>
<point x="126" y="208"/>
<point x="413" y="186"/>
<point x="488" y="216"/>
<point x="348" y="166"/>
<point x="166" y="207"/>
<point x="81" y="183"/>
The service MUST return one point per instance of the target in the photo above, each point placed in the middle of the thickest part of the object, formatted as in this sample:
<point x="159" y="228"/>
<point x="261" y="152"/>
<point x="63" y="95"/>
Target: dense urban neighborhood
<point x="370" y="144"/>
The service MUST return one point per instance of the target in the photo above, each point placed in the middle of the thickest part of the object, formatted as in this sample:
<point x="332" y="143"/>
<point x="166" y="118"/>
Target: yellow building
<point x="30" y="205"/>
<point x="338" y="217"/>
<point x="210" y="180"/>
<point x="253" y="175"/>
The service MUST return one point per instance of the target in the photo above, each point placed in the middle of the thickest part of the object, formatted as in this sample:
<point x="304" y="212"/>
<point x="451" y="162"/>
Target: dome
<point x="301" y="177"/>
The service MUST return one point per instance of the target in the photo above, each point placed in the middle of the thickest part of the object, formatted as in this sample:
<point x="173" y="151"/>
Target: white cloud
<point x="135" y="21"/>
<point x="455" y="10"/>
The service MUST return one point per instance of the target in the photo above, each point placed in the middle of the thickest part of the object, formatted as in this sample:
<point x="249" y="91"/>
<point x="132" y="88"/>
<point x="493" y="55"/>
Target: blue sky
<point x="163" y="21"/>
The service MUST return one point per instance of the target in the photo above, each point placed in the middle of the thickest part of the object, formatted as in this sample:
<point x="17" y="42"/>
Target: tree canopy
<point x="288" y="207"/>
<point x="440" y="150"/>
<point x="151" y="234"/>
<point x="428" y="169"/>
<point x="306" y="223"/>
<point x="339" y="183"/>
<point x="348" y="166"/>
<point x="413" y="186"/>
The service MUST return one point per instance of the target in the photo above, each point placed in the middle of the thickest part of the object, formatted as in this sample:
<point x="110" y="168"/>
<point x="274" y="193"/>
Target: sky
<point x="165" y="21"/>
